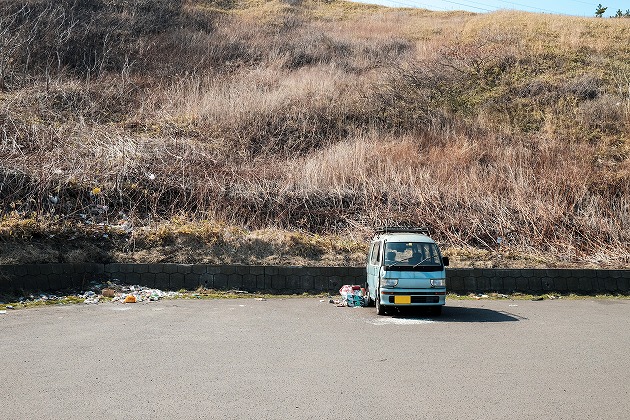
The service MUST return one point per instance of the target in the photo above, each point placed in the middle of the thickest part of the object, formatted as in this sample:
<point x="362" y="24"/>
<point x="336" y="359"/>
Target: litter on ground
<point x="130" y="299"/>
<point x="98" y="292"/>
<point x="352" y="296"/>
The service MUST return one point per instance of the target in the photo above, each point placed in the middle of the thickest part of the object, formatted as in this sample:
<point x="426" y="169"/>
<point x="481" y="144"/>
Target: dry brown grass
<point x="320" y="118"/>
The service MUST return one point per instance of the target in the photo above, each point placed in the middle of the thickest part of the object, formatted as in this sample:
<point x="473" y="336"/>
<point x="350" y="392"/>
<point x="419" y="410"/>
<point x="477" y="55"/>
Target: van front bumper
<point x="413" y="297"/>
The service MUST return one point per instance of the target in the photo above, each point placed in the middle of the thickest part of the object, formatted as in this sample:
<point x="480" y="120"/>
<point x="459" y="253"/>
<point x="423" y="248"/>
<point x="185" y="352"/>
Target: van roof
<point x="423" y="230"/>
<point x="403" y="237"/>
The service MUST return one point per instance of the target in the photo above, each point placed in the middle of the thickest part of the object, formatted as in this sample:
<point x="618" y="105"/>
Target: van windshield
<point x="412" y="254"/>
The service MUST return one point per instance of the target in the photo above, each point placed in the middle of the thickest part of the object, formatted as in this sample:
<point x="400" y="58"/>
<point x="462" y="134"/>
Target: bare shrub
<point x="263" y="112"/>
<point x="309" y="117"/>
<point x="467" y="191"/>
<point x="603" y="115"/>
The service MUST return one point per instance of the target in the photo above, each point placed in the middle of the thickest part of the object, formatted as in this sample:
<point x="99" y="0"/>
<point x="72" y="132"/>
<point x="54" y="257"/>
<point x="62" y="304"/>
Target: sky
<point x="563" y="7"/>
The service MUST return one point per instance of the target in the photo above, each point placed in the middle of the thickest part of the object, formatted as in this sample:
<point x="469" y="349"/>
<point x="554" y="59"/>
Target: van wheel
<point x="380" y="309"/>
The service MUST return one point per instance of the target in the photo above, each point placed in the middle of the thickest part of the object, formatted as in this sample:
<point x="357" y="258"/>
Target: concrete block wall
<point x="538" y="281"/>
<point x="271" y="279"/>
<point x="289" y="280"/>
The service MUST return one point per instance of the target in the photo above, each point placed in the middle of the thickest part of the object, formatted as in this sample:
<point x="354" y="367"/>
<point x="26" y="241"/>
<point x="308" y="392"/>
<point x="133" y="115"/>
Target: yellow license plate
<point x="402" y="300"/>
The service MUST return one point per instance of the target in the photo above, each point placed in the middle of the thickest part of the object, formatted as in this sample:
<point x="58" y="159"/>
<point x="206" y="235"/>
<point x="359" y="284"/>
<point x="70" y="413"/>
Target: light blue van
<point x="405" y="268"/>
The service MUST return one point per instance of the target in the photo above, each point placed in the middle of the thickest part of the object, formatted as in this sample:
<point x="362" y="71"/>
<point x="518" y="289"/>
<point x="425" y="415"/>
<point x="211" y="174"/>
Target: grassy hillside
<point x="283" y="131"/>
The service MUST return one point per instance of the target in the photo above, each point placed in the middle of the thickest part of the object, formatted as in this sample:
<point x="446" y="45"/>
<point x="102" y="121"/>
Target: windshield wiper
<point x="427" y="258"/>
<point x="396" y="262"/>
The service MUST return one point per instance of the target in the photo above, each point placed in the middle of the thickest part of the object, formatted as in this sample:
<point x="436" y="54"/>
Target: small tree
<point x="619" y="13"/>
<point x="599" y="12"/>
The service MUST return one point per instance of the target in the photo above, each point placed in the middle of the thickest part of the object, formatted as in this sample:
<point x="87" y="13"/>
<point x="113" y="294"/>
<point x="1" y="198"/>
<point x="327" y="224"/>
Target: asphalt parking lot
<point x="304" y="358"/>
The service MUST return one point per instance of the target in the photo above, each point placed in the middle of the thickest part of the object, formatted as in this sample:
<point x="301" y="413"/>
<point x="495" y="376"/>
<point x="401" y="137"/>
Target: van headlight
<point x="389" y="283"/>
<point x="438" y="283"/>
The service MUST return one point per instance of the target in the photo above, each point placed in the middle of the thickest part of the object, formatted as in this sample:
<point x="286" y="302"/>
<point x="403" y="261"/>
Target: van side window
<point x="375" y="251"/>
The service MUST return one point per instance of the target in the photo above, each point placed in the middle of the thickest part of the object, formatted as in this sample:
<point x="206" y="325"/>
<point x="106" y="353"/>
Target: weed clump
<point x="163" y="123"/>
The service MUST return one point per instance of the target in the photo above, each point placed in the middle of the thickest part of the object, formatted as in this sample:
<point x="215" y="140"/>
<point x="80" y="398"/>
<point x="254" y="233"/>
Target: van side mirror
<point x="445" y="261"/>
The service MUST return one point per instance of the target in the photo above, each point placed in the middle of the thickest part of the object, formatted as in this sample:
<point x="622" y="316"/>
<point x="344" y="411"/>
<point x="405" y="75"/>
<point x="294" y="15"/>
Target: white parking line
<point x="399" y="321"/>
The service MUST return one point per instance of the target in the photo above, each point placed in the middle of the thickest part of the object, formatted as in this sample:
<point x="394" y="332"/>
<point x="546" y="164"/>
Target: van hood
<point x="391" y="274"/>
<point x="413" y="279"/>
